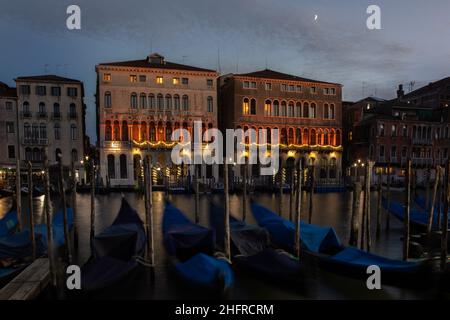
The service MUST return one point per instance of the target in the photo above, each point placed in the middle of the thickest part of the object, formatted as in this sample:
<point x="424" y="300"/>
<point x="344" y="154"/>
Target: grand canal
<point x="332" y="209"/>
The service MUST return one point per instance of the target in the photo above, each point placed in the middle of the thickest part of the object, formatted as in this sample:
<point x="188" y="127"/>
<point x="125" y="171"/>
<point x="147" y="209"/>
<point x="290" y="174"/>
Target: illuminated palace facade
<point x="306" y="112"/>
<point x="139" y="104"/>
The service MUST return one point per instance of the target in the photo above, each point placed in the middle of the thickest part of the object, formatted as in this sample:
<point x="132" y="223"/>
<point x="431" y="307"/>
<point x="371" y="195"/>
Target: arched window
<point x="160" y="102"/>
<point x="298" y="110"/>
<point x="245" y="106"/>
<point x="312" y="139"/>
<point x="332" y="171"/>
<point x="176" y="102"/>
<point x="41" y="108"/>
<point x="332" y="113"/>
<point x="298" y="136"/>
<point x="72" y="111"/>
<point x="133" y="101"/>
<point x="57" y="131"/>
<point x="58" y="154"/>
<point x="185" y="103"/>
<point x="326" y="111"/>
<point x="291" y="136"/>
<point x="283" y="136"/>
<point x="253" y="106"/>
<point x="43" y="131"/>
<point x="276" y="108"/>
<point x="267" y="108"/>
<point x="305" y="136"/>
<point x="56" y="110"/>
<point x="135" y="131"/>
<point x="123" y="166"/>
<point x="143" y="101"/>
<point x="73" y="132"/>
<point x="268" y="136"/>
<point x="290" y="112"/>
<point x="152" y="132"/>
<point x="168" y="131"/>
<point x="312" y="110"/>
<point x="283" y="109"/>
<point x="326" y="138"/>
<point x="168" y="101"/>
<point x="28" y="154"/>
<point x="107" y="100"/>
<point x="151" y="101"/>
<point x="111" y="166"/>
<point x="306" y="110"/>
<point x="143" y="131"/>
<point x="26" y="107"/>
<point x="74" y="155"/>
<point x="323" y="168"/>
<point x="319" y="137"/>
<point x="125" y="131"/>
<point x="338" y="138"/>
<point x="27" y="130"/>
<point x="116" y="131"/>
<point x="209" y="104"/>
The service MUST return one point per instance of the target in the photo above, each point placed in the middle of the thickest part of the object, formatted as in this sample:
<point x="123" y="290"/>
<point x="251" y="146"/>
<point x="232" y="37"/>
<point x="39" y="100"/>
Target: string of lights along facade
<point x="139" y="104"/>
<point x="306" y="112"/>
<point x="51" y="119"/>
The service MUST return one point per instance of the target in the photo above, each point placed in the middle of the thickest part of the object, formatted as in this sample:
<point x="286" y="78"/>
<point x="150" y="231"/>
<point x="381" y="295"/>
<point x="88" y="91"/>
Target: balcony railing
<point x="56" y="115"/>
<point x="25" y="114"/>
<point x="72" y="115"/>
<point x="422" y="141"/>
<point x="117" y="144"/>
<point x="41" y="114"/>
<point x="34" y="141"/>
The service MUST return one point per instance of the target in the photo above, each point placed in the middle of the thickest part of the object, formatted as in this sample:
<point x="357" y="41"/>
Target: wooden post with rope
<point x="74" y="205"/>
<point x="298" y="210"/>
<point x="148" y="194"/>
<point x="31" y="214"/>
<point x="92" y="231"/>
<point x="433" y="200"/>
<point x="444" y="237"/>
<point x="244" y="199"/>
<point x="48" y="222"/>
<point x="379" y="200"/>
<point x="354" y="228"/>
<point x="227" y="245"/>
<point x="62" y="191"/>
<point x="407" y="212"/>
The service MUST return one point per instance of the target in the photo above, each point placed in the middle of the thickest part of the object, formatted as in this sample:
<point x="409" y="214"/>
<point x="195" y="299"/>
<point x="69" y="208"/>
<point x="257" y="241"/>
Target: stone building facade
<point x="306" y="112"/>
<point x="139" y="104"/>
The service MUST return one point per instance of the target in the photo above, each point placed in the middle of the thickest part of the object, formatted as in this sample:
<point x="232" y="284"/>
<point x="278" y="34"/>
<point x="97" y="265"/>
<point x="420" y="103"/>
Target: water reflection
<point x="332" y="209"/>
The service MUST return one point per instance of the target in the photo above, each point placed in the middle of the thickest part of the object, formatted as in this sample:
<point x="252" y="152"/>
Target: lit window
<point x="175" y="81"/>
<point x="245" y="106"/>
<point x="106" y="77"/>
<point x="133" y="78"/>
<point x="159" y="80"/>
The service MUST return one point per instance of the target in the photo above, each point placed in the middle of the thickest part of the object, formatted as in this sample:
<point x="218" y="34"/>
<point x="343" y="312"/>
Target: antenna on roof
<point x="411" y="86"/>
<point x="218" y="59"/>
<point x="266" y="63"/>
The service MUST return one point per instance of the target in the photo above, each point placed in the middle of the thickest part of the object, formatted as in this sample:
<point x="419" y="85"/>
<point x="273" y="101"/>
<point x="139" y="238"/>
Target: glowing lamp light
<point x="291" y="153"/>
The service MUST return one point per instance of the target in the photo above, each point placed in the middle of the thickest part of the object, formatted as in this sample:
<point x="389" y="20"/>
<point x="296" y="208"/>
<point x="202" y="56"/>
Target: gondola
<point x="322" y="245"/>
<point x="190" y="247"/>
<point x="115" y="251"/>
<point x="418" y="218"/>
<point x="4" y="193"/>
<point x="9" y="222"/>
<point x="37" y="191"/>
<point x="252" y="252"/>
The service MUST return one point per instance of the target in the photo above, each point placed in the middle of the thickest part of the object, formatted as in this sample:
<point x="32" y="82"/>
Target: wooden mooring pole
<point x="369" y="168"/>
<point x="356" y="217"/>
<point x="280" y="199"/>
<point x="31" y="214"/>
<point x="292" y="193"/>
<point x="227" y="246"/>
<point x="444" y="238"/>
<point x="74" y="205"/>
<point x="48" y="221"/>
<point x="388" y="196"/>
<point x="311" y="193"/>
<point x="407" y="211"/>
<point x="379" y="199"/>
<point x="197" y="195"/>
<point x="148" y="194"/>
<point x="92" y="232"/>
<point x="244" y="198"/>
<point x="298" y="210"/>
<point x="62" y="191"/>
<point x="19" y="195"/>
<point x="433" y="200"/>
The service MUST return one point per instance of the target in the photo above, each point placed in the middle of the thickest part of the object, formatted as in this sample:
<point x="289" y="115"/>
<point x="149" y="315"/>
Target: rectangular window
<point x="283" y="87"/>
<point x="333" y="91"/>
<point x="107" y="77"/>
<point x="253" y="85"/>
<point x="142" y="78"/>
<point x="268" y="86"/>
<point x="72" y="92"/>
<point x="175" y="81"/>
<point x="8" y="105"/>
<point x="56" y="91"/>
<point x="299" y="88"/>
<point x="9" y="127"/>
<point x="393" y="152"/>
<point x="291" y="87"/>
<point x="404" y="152"/>
<point x="313" y="90"/>
<point x="11" y="152"/>
<point x="159" y="80"/>
<point x="381" y="151"/>
<point x="41" y="90"/>
<point x="25" y="89"/>
<point x="133" y="78"/>
<point x="246" y="84"/>
<point x="209" y="83"/>
<point x="185" y="81"/>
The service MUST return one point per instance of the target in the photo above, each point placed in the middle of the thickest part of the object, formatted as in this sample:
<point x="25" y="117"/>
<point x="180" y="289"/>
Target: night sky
<point x="235" y="35"/>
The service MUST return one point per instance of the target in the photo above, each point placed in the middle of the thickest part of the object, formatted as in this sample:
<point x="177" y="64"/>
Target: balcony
<point x="25" y="114"/>
<point x="116" y="144"/>
<point x="42" y="115"/>
<point x="422" y="141"/>
<point x="56" y="115"/>
<point x="34" y="141"/>
<point x="72" y="116"/>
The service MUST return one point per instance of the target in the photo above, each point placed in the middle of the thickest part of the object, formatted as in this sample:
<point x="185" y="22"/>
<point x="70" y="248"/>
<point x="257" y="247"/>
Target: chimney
<point x="400" y="92"/>
<point x="155" y="58"/>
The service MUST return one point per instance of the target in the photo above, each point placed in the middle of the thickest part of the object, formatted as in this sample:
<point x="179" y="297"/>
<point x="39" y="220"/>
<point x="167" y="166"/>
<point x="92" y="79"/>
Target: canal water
<point x="332" y="209"/>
